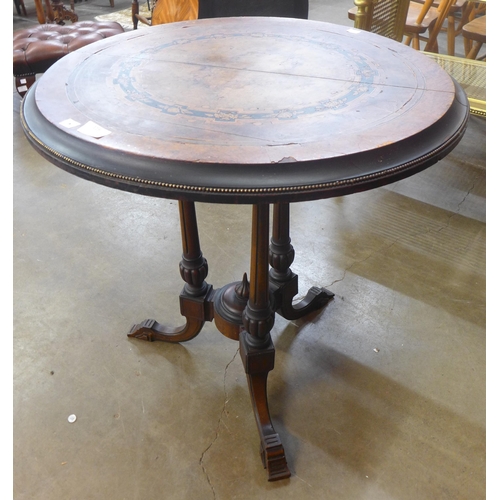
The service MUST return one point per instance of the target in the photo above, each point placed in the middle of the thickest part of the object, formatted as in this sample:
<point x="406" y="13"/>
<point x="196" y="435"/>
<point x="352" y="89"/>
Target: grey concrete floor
<point x="381" y="395"/>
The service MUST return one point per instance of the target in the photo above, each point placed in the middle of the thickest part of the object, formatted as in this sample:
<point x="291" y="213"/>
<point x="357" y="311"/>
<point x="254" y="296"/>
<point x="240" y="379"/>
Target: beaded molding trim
<point x="271" y="190"/>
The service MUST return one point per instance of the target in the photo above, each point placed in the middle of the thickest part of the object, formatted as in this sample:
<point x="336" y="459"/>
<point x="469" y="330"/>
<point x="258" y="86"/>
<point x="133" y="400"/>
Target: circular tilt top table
<point x="261" y="111"/>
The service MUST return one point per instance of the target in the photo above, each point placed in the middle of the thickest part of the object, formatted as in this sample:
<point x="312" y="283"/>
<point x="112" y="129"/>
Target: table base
<point x="244" y="310"/>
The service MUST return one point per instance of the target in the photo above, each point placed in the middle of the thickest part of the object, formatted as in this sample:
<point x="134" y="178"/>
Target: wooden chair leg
<point x="49" y="12"/>
<point x="20" y="7"/>
<point x="135" y="12"/>
<point x="451" y="35"/>
<point x="474" y="50"/>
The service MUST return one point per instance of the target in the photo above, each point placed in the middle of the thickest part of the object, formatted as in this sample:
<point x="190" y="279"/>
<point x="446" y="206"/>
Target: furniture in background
<point x="454" y="21"/>
<point x="383" y="17"/>
<point x="20" y="7"/>
<point x="40" y="46"/>
<point x="460" y="13"/>
<point x="427" y="25"/>
<point x="423" y="20"/>
<point x="165" y="11"/>
<point x="454" y="24"/>
<point x="37" y="48"/>
<point x="268" y="111"/>
<point x="474" y="34"/>
<point x="54" y="11"/>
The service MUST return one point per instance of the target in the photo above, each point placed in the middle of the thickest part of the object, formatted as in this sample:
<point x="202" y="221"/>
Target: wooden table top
<point x="243" y="110"/>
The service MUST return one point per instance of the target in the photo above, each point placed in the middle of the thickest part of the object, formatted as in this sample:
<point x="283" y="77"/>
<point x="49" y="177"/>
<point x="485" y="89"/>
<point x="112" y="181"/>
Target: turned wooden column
<point x="256" y="346"/>
<point x="284" y="283"/>
<point x="196" y="296"/>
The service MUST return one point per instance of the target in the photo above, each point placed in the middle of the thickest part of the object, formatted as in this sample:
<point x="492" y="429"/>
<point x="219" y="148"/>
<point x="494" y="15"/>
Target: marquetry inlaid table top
<point x="245" y="109"/>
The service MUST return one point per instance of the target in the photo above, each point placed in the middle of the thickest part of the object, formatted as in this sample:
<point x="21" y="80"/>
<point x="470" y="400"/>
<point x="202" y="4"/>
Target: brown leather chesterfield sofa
<point x="38" y="47"/>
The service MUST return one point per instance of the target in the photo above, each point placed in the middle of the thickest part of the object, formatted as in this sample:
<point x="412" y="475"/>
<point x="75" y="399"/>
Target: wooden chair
<point x="454" y="21"/>
<point x="384" y="17"/>
<point x="424" y="22"/>
<point x="474" y="34"/>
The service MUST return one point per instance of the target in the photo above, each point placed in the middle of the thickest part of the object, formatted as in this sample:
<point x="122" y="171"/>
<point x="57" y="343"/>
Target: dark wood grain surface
<point x="245" y="109"/>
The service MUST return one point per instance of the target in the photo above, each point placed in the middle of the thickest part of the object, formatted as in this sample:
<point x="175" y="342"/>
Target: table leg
<point x="283" y="282"/>
<point x="196" y="297"/>
<point x="243" y="310"/>
<point x="256" y="346"/>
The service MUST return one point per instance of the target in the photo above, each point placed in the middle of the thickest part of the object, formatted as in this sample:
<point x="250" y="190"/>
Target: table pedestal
<point x="244" y="310"/>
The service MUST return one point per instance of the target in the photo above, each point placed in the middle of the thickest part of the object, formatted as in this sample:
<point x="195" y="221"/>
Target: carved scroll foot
<point x="197" y="310"/>
<point x="285" y="291"/>
<point x="258" y="362"/>
<point x="273" y="458"/>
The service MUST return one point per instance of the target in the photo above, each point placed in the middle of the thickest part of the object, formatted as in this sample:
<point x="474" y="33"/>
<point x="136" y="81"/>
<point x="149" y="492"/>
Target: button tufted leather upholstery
<point x="38" y="47"/>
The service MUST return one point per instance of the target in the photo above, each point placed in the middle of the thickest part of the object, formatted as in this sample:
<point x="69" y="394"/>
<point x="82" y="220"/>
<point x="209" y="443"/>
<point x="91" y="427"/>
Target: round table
<point x="262" y="111"/>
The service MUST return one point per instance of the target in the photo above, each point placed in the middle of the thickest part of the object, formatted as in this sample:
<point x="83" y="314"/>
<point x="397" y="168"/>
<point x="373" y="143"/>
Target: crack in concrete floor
<point x="217" y="429"/>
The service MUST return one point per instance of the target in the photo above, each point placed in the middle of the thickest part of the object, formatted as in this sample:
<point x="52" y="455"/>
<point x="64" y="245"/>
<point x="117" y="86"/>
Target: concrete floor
<point x="379" y="396"/>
